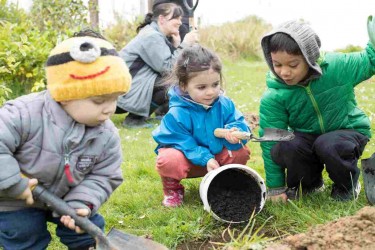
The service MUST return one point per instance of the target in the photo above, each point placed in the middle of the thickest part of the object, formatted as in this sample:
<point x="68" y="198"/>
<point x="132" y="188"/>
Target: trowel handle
<point x="221" y="132"/>
<point x="62" y="208"/>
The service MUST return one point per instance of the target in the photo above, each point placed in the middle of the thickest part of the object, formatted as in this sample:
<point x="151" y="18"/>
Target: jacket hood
<point x="307" y="40"/>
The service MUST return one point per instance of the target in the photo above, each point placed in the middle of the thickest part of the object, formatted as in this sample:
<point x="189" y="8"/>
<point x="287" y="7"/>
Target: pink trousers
<point x="172" y="163"/>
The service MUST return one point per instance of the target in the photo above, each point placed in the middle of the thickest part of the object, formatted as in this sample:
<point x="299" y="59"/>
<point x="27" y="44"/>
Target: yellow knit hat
<point x="82" y="67"/>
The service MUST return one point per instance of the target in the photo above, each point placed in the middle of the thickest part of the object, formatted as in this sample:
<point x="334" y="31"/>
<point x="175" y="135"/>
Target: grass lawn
<point x="135" y="207"/>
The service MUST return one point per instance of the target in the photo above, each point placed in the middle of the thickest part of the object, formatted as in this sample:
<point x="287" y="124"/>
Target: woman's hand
<point x="70" y="223"/>
<point x="27" y="195"/>
<point x="212" y="164"/>
<point x="191" y="37"/>
<point x="176" y="39"/>
<point x="230" y="137"/>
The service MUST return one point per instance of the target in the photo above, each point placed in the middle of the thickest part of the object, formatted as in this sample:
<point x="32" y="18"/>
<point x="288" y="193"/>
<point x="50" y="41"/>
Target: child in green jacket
<point x="313" y="95"/>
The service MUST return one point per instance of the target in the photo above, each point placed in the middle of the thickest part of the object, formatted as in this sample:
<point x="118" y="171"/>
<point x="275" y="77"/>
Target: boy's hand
<point x="230" y="137"/>
<point x="371" y="29"/>
<point x="278" y="198"/>
<point x="70" y="223"/>
<point x="212" y="164"/>
<point x="27" y="195"/>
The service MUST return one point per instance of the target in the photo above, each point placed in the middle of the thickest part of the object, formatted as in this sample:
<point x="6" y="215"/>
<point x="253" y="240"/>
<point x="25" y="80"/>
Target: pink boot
<point x="173" y="192"/>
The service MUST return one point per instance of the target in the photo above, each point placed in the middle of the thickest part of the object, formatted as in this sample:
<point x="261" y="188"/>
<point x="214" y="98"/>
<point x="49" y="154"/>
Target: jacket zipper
<point x="316" y="108"/>
<point x="65" y="163"/>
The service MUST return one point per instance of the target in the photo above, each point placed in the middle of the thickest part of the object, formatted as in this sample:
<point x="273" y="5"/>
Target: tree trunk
<point x="150" y="3"/>
<point x="94" y="14"/>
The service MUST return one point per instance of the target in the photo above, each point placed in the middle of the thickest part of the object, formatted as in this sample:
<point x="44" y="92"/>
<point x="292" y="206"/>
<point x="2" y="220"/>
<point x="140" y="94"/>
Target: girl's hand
<point x="27" y="195"/>
<point x="70" y="223"/>
<point x="278" y="198"/>
<point x="212" y="164"/>
<point x="230" y="137"/>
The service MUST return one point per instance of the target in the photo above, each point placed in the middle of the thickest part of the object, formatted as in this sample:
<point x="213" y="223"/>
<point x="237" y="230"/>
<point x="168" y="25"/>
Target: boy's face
<point x="290" y="68"/>
<point x="92" y="111"/>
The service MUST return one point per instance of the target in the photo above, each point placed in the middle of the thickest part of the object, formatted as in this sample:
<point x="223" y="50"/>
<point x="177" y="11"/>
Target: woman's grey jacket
<point x="148" y="56"/>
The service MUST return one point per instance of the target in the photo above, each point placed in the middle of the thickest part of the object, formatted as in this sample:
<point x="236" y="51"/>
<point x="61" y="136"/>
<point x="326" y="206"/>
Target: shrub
<point x="26" y="41"/>
<point x="122" y="31"/>
<point x="350" y="48"/>
<point x="236" y="40"/>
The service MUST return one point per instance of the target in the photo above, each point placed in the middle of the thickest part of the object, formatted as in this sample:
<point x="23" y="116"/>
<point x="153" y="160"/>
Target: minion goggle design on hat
<point x="84" y="50"/>
<point x="81" y="67"/>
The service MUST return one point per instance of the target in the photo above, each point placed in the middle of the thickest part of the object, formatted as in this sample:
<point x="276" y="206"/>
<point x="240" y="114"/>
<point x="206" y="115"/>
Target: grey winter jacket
<point x="153" y="47"/>
<point x="77" y="163"/>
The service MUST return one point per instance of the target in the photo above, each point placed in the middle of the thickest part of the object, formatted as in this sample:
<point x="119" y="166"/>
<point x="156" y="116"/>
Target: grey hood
<point x="307" y="40"/>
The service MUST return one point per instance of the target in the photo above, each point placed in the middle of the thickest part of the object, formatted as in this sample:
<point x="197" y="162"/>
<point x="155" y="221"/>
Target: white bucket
<point x="241" y="175"/>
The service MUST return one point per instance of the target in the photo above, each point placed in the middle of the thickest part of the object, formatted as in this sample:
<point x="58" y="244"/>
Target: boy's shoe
<point x="342" y="194"/>
<point x="294" y="193"/>
<point x="173" y="192"/>
<point x="131" y="122"/>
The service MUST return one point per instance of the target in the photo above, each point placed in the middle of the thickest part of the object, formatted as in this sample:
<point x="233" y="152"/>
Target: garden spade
<point x="368" y="173"/>
<point x="270" y="134"/>
<point x="115" y="240"/>
<point x="190" y="10"/>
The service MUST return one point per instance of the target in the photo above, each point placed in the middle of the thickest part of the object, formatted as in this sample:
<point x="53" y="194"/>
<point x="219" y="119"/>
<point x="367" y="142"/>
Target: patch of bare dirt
<point x="252" y="119"/>
<point x="351" y="232"/>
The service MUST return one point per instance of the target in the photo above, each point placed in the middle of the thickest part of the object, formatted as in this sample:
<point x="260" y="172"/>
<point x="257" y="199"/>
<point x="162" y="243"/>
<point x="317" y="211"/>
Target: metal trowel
<point x="270" y="134"/>
<point x="115" y="240"/>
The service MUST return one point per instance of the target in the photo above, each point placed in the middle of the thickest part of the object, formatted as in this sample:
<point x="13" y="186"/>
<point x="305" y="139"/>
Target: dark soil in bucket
<point x="233" y="195"/>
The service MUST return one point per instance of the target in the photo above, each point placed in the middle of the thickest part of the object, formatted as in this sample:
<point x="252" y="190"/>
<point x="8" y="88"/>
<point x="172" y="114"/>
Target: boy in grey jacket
<point x="63" y="139"/>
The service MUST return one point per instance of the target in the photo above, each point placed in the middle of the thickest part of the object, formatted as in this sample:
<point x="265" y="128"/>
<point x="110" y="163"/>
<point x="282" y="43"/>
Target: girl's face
<point x="92" y="111"/>
<point x="204" y="88"/>
<point x="169" y="26"/>
<point x="291" y="68"/>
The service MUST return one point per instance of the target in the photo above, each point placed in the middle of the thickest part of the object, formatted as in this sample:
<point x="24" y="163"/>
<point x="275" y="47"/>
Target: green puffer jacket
<point x="326" y="104"/>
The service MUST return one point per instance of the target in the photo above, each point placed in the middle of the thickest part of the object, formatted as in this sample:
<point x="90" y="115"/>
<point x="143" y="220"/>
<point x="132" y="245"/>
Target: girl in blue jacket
<point x="187" y="146"/>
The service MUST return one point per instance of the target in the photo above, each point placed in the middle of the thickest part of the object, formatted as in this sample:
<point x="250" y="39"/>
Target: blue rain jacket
<point x="189" y="127"/>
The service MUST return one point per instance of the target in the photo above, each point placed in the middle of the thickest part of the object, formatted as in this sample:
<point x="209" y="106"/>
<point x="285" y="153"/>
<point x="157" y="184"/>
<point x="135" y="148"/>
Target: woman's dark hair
<point x="192" y="60"/>
<point x="284" y="42"/>
<point x="163" y="9"/>
<point x="89" y="32"/>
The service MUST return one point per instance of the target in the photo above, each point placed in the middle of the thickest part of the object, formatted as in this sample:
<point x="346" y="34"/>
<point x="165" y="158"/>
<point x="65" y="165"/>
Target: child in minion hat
<point x="63" y="139"/>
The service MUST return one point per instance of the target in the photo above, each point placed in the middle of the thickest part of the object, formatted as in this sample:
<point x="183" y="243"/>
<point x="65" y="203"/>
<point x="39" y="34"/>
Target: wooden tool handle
<point x="221" y="132"/>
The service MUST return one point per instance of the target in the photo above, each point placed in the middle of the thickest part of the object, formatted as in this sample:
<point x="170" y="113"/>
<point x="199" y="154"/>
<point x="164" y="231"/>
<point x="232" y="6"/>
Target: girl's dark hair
<point x="163" y="9"/>
<point x="193" y="60"/>
<point x="89" y="32"/>
<point x="284" y="42"/>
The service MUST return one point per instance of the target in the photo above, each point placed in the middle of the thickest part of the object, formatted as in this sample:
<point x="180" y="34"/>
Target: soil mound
<point x="352" y="232"/>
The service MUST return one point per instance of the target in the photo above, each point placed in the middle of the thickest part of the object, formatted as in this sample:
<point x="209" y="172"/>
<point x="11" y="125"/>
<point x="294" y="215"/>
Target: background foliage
<point x="26" y="40"/>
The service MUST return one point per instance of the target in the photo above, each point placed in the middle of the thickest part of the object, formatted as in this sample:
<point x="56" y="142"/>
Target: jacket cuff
<point x="276" y="191"/>
<point x="80" y="204"/>
<point x="16" y="189"/>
